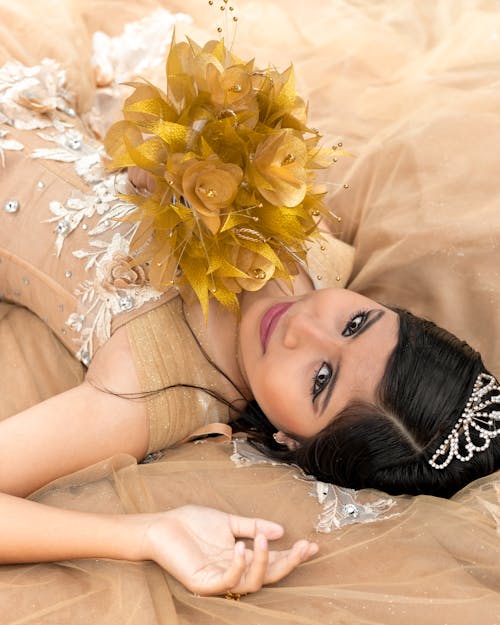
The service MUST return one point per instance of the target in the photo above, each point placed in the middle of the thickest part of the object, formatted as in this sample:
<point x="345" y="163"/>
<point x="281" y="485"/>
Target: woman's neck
<point x="219" y="336"/>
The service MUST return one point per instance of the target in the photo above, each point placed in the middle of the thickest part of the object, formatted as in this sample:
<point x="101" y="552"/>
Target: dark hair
<point x="387" y="444"/>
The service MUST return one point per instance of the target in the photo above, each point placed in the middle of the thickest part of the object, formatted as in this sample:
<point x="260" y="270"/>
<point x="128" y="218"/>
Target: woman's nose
<point x="302" y="329"/>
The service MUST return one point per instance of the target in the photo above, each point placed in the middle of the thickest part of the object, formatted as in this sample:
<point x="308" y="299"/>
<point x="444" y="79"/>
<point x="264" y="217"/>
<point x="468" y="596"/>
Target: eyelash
<point x="317" y="386"/>
<point x="364" y="316"/>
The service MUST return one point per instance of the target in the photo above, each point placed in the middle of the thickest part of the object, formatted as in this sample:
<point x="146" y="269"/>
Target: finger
<point x="231" y="578"/>
<point x="256" y="571"/>
<point x="284" y="562"/>
<point x="247" y="527"/>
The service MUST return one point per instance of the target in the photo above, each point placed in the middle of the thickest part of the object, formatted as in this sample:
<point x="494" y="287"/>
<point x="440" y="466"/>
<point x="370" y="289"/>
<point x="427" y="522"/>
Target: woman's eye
<point x="321" y="378"/>
<point x="355" y="324"/>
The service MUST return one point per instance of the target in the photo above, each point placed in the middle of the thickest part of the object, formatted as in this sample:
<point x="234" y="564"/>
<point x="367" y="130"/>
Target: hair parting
<point x="387" y="445"/>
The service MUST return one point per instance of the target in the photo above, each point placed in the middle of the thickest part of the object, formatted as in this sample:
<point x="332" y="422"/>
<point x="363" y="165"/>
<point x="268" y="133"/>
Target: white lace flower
<point x="31" y="96"/>
<point x="102" y="304"/>
<point x="142" y="45"/>
<point x="70" y="147"/>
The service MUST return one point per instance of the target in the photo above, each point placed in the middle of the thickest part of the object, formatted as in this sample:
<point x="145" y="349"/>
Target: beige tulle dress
<point x="411" y="90"/>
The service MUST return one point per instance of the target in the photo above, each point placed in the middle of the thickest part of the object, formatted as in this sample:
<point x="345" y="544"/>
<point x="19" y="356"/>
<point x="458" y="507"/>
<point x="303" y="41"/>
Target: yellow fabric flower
<point x="280" y="169"/>
<point x="234" y="201"/>
<point x="209" y="187"/>
<point x="257" y="269"/>
<point x="232" y="93"/>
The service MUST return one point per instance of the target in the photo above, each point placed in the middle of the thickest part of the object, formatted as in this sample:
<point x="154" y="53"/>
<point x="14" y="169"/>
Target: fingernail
<point x="261" y="541"/>
<point x="304" y="552"/>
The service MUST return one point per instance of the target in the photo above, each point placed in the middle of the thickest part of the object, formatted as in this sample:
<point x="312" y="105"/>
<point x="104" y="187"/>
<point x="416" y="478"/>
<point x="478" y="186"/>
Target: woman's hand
<point x="141" y="178"/>
<point x="197" y="545"/>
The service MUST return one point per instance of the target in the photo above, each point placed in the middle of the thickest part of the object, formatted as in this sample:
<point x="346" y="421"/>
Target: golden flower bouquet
<point x="235" y="201"/>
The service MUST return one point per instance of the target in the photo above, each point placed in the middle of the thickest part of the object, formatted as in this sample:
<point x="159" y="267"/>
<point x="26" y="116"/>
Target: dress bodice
<point x="63" y="248"/>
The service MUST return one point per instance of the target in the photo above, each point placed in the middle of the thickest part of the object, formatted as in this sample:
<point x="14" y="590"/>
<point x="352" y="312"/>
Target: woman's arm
<point x="195" y="544"/>
<point x="84" y="425"/>
<point x="66" y="433"/>
<point x="76" y="428"/>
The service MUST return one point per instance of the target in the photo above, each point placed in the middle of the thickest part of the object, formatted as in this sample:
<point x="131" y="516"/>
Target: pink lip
<point x="270" y="320"/>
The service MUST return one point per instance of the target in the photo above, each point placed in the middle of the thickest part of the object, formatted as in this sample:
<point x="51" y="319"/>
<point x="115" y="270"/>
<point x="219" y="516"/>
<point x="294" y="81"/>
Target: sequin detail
<point x="11" y="206"/>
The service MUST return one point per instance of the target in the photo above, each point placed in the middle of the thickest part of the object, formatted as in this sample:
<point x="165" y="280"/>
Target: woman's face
<point x="306" y="357"/>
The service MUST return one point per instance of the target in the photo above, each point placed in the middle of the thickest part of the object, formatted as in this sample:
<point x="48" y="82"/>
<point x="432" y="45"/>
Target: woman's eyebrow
<point x="331" y="385"/>
<point x="373" y="319"/>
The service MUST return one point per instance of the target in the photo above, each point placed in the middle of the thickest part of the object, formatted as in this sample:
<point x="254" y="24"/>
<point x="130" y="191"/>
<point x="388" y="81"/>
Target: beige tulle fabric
<point x="411" y="89"/>
<point x="435" y="562"/>
<point x="56" y="368"/>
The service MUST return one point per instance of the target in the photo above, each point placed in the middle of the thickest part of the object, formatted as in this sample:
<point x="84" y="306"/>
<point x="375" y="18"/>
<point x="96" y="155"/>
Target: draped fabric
<point x="411" y="90"/>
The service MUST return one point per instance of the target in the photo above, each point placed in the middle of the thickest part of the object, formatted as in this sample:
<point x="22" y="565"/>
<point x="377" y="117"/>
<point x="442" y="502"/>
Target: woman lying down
<point x="352" y="391"/>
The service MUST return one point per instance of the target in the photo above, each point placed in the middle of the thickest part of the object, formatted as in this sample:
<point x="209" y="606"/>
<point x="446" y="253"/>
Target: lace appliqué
<point x="103" y="300"/>
<point x="142" y="45"/>
<point x="117" y="60"/>
<point x="70" y="147"/>
<point x="102" y="202"/>
<point x="108" y="237"/>
<point x="341" y="506"/>
<point x="33" y="99"/>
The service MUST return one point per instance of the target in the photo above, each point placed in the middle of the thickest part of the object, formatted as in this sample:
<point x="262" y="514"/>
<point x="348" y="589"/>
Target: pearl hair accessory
<point x="486" y="392"/>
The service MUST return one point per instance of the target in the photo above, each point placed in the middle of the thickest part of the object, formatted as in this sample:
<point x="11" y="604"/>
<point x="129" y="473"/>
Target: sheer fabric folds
<point x="434" y="561"/>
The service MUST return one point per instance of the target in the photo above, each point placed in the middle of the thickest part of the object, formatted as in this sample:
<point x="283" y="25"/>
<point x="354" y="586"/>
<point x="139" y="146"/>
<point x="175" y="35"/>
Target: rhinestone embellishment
<point x="74" y="143"/>
<point x="63" y="227"/>
<point x="67" y="111"/>
<point x="11" y="206"/>
<point x="126" y="303"/>
<point x="85" y="357"/>
<point x="351" y="510"/>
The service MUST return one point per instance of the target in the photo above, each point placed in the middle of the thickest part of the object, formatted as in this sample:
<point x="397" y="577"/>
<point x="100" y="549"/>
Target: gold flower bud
<point x="232" y="89"/>
<point x="258" y="269"/>
<point x="280" y="166"/>
<point x="210" y="186"/>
